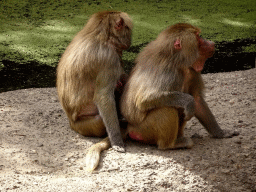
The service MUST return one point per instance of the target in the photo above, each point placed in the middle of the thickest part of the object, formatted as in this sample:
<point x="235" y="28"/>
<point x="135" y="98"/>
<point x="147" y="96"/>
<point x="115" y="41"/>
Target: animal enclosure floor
<point x="39" y="152"/>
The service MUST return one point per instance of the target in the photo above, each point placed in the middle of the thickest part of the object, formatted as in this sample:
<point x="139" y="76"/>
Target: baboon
<point x="165" y="89"/>
<point x="166" y="68"/>
<point x="88" y="73"/>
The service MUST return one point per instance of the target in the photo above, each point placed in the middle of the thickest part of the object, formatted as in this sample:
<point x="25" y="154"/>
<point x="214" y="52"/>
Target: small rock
<point x="72" y="160"/>
<point x="232" y="101"/>
<point x="225" y="171"/>
<point x="246" y="155"/>
<point x="196" y="135"/>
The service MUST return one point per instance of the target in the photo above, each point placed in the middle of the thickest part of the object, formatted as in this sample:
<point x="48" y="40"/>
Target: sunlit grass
<point x="40" y="30"/>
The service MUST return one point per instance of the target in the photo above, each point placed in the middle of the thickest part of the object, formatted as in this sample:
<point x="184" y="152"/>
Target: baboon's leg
<point x="162" y="127"/>
<point x="89" y="127"/>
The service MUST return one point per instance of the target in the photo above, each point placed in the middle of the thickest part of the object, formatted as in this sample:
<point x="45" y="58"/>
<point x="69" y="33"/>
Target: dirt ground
<point x="39" y="152"/>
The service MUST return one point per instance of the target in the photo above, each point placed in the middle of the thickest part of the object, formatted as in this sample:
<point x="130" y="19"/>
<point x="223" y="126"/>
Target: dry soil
<point x="39" y="152"/>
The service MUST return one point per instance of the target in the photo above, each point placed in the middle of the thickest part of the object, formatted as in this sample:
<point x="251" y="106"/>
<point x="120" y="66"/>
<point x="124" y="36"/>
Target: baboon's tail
<point x="93" y="155"/>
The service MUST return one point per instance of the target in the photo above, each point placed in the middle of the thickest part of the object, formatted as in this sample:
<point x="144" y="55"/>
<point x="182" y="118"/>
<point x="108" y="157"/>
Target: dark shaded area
<point x="228" y="57"/>
<point x="20" y="76"/>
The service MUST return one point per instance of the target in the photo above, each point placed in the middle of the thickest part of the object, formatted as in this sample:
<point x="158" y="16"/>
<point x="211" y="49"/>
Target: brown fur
<point x="151" y="102"/>
<point x="88" y="73"/>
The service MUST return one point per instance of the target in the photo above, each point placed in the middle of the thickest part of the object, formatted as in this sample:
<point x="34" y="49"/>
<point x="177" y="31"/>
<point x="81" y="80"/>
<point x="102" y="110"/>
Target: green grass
<point x="40" y="30"/>
<point x="37" y="32"/>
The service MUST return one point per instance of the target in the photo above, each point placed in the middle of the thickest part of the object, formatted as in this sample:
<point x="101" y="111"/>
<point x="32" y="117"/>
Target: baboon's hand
<point x="120" y="149"/>
<point x="227" y="134"/>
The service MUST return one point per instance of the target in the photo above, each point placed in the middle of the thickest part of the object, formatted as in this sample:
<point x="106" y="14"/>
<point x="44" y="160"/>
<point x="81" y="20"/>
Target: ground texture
<point x="39" y="152"/>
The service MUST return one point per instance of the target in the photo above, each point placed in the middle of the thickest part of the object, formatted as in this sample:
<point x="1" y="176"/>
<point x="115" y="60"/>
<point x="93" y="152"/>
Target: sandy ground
<point x="39" y="152"/>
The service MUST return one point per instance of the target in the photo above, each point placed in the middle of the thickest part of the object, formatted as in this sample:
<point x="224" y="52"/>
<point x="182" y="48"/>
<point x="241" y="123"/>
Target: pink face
<point x="206" y="48"/>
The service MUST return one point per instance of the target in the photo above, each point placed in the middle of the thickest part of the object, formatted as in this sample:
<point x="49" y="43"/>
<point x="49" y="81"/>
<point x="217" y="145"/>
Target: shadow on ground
<point x="228" y="57"/>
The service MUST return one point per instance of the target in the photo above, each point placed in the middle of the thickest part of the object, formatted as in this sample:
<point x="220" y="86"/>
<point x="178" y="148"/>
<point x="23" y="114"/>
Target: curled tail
<point x="93" y="155"/>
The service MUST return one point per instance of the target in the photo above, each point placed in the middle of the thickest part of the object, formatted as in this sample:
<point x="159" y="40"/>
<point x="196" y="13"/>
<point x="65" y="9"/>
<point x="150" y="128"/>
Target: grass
<point x="38" y="31"/>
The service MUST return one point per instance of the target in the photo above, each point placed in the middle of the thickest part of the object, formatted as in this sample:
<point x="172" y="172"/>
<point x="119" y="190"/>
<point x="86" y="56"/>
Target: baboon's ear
<point x="177" y="44"/>
<point x="119" y="24"/>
